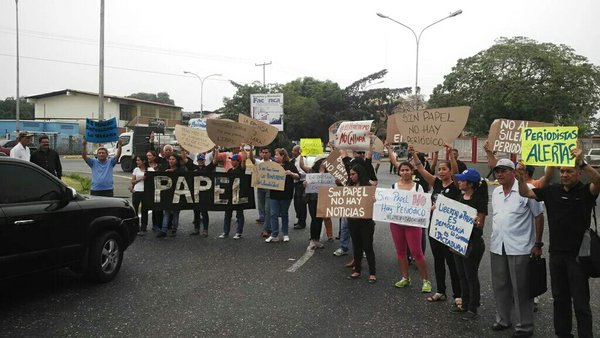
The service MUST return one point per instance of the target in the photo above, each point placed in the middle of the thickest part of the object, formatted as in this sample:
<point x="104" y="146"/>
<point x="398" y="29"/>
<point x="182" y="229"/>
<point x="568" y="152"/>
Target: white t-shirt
<point x="18" y="151"/>
<point x="138" y="173"/>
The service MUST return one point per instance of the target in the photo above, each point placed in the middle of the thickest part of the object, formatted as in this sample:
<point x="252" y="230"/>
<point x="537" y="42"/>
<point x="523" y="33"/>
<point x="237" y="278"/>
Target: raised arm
<point x="371" y="142"/>
<point x="215" y="153"/>
<point x="453" y="162"/>
<point x="524" y="189"/>
<point x="591" y="173"/>
<point x="84" y="149"/>
<point x="119" y="148"/>
<point x="302" y="164"/>
<point x="251" y="156"/>
<point x="490" y="154"/>
<point x="434" y="161"/>
<point x="429" y="178"/>
<point x="391" y="154"/>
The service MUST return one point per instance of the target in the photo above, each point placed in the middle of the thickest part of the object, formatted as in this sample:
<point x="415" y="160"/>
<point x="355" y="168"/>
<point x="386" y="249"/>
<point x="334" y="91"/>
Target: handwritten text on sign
<point x="101" y="131"/>
<point x="548" y="146"/>
<point x="505" y="135"/>
<point x="192" y="139"/>
<point x="354" y="135"/>
<point x="335" y="166"/>
<point x="452" y="223"/>
<point x="269" y="175"/>
<point x="354" y="202"/>
<point x="311" y="146"/>
<point x="402" y="207"/>
<point x="314" y="181"/>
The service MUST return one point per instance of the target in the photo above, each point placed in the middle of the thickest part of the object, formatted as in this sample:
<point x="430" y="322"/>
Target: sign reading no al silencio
<point x="353" y="202"/>
<point x="402" y="207"/>
<point x="452" y="224"/>
<point x="190" y="190"/>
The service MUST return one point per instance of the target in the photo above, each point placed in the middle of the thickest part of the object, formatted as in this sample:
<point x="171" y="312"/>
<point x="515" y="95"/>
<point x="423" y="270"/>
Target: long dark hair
<point x="317" y="165"/>
<point x="362" y="176"/>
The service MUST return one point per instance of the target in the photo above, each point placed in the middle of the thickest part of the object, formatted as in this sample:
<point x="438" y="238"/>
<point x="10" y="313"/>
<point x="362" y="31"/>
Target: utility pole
<point x="17" y="115"/>
<point x="264" y="64"/>
<point x="101" y="65"/>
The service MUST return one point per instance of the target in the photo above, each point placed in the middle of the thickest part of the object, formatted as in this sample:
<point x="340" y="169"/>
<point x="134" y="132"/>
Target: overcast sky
<point x="149" y="43"/>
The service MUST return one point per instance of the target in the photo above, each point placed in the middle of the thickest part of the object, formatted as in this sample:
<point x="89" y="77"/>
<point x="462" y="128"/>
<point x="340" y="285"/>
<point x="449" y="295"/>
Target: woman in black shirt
<point x="280" y="200"/>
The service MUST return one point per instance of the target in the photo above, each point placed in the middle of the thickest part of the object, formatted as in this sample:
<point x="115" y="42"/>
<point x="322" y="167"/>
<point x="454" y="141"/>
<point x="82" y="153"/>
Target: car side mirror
<point x="70" y="194"/>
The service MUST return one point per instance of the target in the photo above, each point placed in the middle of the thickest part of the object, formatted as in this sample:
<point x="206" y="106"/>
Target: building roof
<point x="122" y="98"/>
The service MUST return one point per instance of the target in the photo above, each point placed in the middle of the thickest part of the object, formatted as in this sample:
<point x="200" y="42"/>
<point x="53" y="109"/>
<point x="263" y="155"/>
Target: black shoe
<point x="296" y="223"/>
<point x="161" y="234"/>
<point x="173" y="233"/>
<point x="499" y="327"/>
<point x="469" y="315"/>
<point x="196" y="232"/>
<point x="522" y="334"/>
<point x="298" y="226"/>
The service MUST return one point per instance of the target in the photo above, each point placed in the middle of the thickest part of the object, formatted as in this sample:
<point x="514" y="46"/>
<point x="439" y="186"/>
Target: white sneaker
<point x="286" y="238"/>
<point x="222" y="236"/>
<point x="272" y="239"/>
<point x="311" y="245"/>
<point x="340" y="252"/>
<point x="237" y="236"/>
<point x="318" y="245"/>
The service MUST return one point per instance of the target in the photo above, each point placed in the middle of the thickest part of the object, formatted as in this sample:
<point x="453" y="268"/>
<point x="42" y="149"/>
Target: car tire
<point x="106" y="256"/>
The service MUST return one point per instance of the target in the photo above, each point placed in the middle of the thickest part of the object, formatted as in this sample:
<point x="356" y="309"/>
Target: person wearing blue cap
<point x="475" y="195"/>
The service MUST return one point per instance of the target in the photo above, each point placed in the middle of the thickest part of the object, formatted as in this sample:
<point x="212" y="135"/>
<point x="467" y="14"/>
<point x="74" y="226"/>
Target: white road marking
<point x="307" y="255"/>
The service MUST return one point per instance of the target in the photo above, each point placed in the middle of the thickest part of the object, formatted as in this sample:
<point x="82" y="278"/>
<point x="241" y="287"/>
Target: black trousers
<point x="570" y="289"/>
<point x="136" y="200"/>
<point x="197" y="214"/>
<point x="316" y="224"/>
<point x="361" y="233"/>
<point x="105" y="193"/>
<point x="442" y="256"/>
<point x="468" y="273"/>
<point x="300" y="203"/>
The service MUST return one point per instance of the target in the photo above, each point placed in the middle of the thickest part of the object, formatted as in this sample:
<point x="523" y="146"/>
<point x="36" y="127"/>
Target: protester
<point x="280" y="200"/>
<point x="204" y="169"/>
<point x="263" y="195"/>
<point x="344" y="234"/>
<point x="316" y="223"/>
<point x="21" y="149"/>
<point x="361" y="231"/>
<point x="404" y="235"/>
<point x="137" y="191"/>
<point x="569" y="206"/>
<point x="475" y="195"/>
<point x="47" y="158"/>
<point x="102" y="169"/>
<point x="529" y="169"/>
<point x="299" y="200"/>
<point x="157" y="215"/>
<point x="517" y="228"/>
<point x="442" y="256"/>
<point x="238" y="163"/>
<point x="171" y="216"/>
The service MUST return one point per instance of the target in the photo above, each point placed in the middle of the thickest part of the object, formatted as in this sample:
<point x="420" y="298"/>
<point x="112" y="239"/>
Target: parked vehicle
<point x="46" y="225"/>
<point x="593" y="157"/>
<point x="136" y="142"/>
<point x="7" y="145"/>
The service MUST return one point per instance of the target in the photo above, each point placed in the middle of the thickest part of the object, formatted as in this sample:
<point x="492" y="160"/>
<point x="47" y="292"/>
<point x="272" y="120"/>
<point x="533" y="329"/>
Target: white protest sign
<point x="354" y="135"/>
<point x="314" y="181"/>
<point x="452" y="223"/>
<point x="402" y="207"/>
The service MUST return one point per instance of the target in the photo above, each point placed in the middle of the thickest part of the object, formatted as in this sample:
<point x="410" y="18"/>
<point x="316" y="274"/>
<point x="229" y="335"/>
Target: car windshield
<point x="126" y="139"/>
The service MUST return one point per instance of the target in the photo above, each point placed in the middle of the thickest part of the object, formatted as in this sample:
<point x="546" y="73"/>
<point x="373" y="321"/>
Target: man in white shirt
<point x="517" y="228"/>
<point x="21" y="149"/>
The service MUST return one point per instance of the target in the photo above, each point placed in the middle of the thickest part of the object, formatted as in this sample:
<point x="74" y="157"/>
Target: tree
<point x="240" y="102"/>
<point x="162" y="97"/>
<point x="8" y="108"/>
<point x="520" y="78"/>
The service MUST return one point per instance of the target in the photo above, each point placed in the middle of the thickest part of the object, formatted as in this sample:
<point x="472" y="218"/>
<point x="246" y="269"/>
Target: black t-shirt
<point x="569" y="214"/>
<point x="461" y="166"/>
<point x="288" y="193"/>
<point x="205" y="169"/>
<point x="365" y="163"/>
<point x="479" y="204"/>
<point x="451" y="191"/>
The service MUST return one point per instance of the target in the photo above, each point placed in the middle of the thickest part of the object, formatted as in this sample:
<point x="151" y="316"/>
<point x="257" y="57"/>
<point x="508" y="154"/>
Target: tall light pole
<point x="418" y="40"/>
<point x="18" y="112"/>
<point x="264" y="65"/>
<point x="201" y="88"/>
<point x="101" y="65"/>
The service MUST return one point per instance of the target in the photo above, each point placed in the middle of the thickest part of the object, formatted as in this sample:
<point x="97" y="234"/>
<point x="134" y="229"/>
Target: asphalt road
<point x="201" y="287"/>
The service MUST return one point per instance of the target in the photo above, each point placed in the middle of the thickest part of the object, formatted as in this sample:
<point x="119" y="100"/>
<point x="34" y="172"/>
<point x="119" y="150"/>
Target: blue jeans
<point x="264" y="207"/>
<point x="239" y="215"/>
<point x="344" y="234"/>
<point x="173" y="216"/>
<point x="279" y="207"/>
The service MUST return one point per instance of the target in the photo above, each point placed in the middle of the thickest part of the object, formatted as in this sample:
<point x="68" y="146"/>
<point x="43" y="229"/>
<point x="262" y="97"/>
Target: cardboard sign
<point x="452" y="223"/>
<point x="262" y="134"/>
<point x="392" y="134"/>
<point x="354" y="202"/>
<point x="354" y="135"/>
<point x="193" y="140"/>
<point x="548" y="146"/>
<point x="505" y="135"/>
<point x="377" y="150"/>
<point x="227" y="133"/>
<point x="333" y="131"/>
<point x="311" y="146"/>
<point x="268" y="175"/>
<point x="402" y="207"/>
<point x="268" y="108"/>
<point x="192" y="190"/>
<point x="428" y="130"/>
<point x="335" y="166"/>
<point x="101" y="131"/>
<point x="315" y="181"/>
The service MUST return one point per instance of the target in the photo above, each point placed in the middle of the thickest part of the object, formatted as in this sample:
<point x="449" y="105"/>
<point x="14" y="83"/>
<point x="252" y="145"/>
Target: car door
<point x="33" y="207"/>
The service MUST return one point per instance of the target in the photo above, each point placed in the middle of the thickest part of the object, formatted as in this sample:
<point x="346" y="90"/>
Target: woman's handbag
<point x="537" y="276"/>
<point x="589" y="251"/>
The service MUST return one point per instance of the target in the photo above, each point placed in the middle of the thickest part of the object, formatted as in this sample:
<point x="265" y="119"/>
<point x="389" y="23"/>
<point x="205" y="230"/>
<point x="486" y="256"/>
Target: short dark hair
<point x="43" y="137"/>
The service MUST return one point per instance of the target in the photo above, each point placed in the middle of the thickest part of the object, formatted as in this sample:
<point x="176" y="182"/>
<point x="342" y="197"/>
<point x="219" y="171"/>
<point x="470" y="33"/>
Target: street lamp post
<point x="201" y="88"/>
<point x="417" y="41"/>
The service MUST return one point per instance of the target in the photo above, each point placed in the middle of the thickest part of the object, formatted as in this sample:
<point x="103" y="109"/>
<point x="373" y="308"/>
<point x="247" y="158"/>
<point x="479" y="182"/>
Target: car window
<point x="126" y="139"/>
<point x="595" y="152"/>
<point x="24" y="184"/>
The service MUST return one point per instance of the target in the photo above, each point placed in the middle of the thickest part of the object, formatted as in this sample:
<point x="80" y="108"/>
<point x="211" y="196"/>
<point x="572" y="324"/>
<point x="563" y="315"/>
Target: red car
<point x="4" y="151"/>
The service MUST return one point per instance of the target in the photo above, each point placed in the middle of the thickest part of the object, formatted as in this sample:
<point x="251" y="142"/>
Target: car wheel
<point x="106" y="256"/>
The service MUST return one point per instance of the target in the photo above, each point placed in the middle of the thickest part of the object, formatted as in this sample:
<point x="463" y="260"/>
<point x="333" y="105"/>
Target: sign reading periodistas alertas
<point x="452" y="224"/>
<point x="402" y="207"/>
<point x="353" y="202"/>
<point x="548" y="146"/>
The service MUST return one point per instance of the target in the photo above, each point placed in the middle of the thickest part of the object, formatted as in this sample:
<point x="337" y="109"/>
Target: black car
<point x="46" y="225"/>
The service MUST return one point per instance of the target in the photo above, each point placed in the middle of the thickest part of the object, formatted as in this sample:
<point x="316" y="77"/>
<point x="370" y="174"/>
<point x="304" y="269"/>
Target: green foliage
<point x="240" y="102"/>
<point x="8" y="108"/>
<point x="81" y="183"/>
<point x="162" y="97"/>
<point x="520" y="78"/>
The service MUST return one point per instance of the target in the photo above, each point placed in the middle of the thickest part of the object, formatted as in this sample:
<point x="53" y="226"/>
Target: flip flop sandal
<point x="437" y="297"/>
<point x="353" y="276"/>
